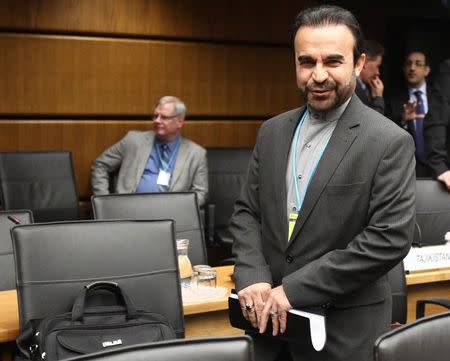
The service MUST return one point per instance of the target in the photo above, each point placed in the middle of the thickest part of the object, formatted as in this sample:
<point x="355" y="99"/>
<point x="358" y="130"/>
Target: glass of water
<point x="206" y="277"/>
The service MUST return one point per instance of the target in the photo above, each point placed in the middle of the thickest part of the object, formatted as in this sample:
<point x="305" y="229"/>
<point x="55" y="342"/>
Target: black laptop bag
<point x="92" y="329"/>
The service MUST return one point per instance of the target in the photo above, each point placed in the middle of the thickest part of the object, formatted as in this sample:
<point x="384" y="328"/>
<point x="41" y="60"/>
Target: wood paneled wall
<point x="253" y="21"/>
<point x="77" y="74"/>
<point x="67" y="75"/>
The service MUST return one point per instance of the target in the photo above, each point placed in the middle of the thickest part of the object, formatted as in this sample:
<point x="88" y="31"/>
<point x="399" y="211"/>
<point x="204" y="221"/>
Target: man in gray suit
<point x="155" y="161"/>
<point x="328" y="206"/>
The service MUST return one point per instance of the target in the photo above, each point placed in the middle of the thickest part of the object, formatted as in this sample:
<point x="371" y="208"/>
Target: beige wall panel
<point x="87" y="139"/>
<point x="69" y="75"/>
<point x="97" y="76"/>
<point x="225" y="80"/>
<point x="250" y="20"/>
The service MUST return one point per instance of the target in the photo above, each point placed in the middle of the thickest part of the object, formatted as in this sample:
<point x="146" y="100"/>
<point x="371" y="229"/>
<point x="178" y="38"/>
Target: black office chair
<point x="397" y="282"/>
<point x="217" y="349"/>
<point x="432" y="212"/>
<point x="424" y="339"/>
<point x="8" y="219"/>
<point x="55" y="260"/>
<point x="227" y="168"/>
<point x="182" y="207"/>
<point x="399" y="291"/>
<point x="43" y="182"/>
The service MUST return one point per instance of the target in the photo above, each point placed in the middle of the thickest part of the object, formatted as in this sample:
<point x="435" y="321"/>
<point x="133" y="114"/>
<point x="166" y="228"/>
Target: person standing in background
<point x="421" y="109"/>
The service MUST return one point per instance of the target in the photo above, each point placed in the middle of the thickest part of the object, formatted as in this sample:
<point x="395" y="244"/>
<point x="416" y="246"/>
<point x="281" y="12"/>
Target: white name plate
<point x="430" y="257"/>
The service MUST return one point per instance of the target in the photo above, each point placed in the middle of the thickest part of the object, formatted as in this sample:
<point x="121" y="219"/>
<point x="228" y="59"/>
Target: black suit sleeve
<point x="376" y="103"/>
<point x="435" y="133"/>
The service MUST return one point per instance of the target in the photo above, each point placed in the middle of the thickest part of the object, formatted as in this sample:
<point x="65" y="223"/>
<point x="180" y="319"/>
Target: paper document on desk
<point x="302" y="326"/>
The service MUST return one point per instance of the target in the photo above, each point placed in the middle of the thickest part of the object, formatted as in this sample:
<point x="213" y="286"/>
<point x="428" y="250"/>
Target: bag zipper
<point x="40" y="334"/>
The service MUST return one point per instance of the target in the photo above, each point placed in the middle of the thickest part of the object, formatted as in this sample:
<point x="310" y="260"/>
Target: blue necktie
<point x="164" y="158"/>
<point x="420" y="109"/>
<point x="165" y="153"/>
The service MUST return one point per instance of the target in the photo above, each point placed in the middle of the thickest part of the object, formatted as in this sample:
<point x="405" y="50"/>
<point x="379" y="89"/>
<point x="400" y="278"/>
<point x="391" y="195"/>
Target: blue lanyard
<point x="294" y="162"/>
<point x="168" y="166"/>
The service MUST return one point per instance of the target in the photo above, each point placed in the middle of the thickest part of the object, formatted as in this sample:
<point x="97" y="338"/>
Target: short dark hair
<point x="324" y="15"/>
<point x="372" y="48"/>
<point x="410" y="51"/>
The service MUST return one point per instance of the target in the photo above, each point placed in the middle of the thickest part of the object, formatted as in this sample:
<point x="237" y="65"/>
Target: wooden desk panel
<point x="209" y="324"/>
<point x="9" y="316"/>
<point x="428" y="276"/>
<point x="425" y="284"/>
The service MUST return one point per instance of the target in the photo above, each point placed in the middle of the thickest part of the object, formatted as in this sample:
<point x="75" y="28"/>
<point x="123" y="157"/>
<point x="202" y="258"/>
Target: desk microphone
<point x="14" y="219"/>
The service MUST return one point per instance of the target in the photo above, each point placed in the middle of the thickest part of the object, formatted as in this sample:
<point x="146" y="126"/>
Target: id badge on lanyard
<point x="292" y="219"/>
<point x="163" y="178"/>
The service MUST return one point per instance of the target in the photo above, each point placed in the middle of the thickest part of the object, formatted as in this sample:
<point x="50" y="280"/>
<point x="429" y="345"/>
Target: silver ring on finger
<point x="273" y="313"/>
<point x="248" y="306"/>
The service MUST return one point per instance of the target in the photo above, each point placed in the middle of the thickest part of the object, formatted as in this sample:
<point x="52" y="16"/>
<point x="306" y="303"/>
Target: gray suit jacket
<point x="129" y="156"/>
<point x="356" y="222"/>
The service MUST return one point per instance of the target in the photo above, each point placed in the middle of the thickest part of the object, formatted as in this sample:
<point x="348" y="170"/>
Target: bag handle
<point x="78" y="308"/>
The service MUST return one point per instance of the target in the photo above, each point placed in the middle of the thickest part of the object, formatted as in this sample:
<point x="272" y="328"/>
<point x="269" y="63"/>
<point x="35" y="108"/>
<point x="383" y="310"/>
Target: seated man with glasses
<point x="422" y="110"/>
<point x="154" y="161"/>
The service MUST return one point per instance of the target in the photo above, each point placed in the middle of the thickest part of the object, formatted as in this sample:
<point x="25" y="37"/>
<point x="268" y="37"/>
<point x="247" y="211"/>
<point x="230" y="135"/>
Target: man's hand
<point x="409" y="112"/>
<point x="376" y="87"/>
<point x="252" y="300"/>
<point x="276" y="307"/>
<point x="445" y="178"/>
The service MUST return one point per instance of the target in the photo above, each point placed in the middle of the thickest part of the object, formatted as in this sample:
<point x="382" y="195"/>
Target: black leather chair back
<point x="182" y="207"/>
<point x="55" y="260"/>
<point x="227" y="169"/>
<point x="397" y="281"/>
<point x="424" y="339"/>
<point x="217" y="349"/>
<point x="432" y="212"/>
<point x="9" y="219"/>
<point x="43" y="182"/>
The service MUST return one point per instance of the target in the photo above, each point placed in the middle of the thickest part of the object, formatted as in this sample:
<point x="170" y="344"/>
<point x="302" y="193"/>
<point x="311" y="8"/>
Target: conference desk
<point x="423" y="284"/>
<point x="202" y="319"/>
<point x="210" y="318"/>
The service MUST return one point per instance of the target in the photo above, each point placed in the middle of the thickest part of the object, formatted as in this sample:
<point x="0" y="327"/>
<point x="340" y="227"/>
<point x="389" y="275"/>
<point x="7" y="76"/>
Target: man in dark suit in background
<point x="369" y="87"/>
<point x="443" y="79"/>
<point x="422" y="110"/>
<point x="328" y="206"/>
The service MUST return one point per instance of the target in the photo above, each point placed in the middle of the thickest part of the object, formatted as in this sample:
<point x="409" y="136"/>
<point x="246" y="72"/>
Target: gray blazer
<point x="129" y="156"/>
<point x="356" y="223"/>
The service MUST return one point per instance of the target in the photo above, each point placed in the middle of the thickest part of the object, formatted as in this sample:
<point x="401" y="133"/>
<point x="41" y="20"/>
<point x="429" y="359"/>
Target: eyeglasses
<point x="418" y="63"/>
<point x="163" y="117"/>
